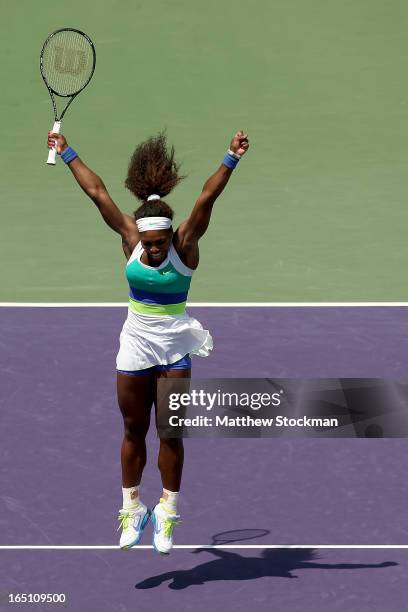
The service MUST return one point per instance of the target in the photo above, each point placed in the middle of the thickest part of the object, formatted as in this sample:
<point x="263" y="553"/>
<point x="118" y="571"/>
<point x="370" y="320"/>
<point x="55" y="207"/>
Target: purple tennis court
<point x="60" y="439"/>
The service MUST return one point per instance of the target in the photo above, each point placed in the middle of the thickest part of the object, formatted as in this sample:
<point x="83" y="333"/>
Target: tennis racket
<point x="67" y="63"/>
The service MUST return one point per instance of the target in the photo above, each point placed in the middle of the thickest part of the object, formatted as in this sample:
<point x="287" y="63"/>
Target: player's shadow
<point x="279" y="563"/>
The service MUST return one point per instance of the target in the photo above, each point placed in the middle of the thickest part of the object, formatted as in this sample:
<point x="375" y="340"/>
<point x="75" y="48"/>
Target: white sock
<point x="131" y="497"/>
<point x="170" y="501"/>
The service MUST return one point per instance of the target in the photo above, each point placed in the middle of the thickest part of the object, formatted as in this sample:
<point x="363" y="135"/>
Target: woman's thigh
<point x="135" y="397"/>
<point x="162" y="411"/>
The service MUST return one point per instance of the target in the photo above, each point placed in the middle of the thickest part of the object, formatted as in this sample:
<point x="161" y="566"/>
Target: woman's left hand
<point x="240" y="143"/>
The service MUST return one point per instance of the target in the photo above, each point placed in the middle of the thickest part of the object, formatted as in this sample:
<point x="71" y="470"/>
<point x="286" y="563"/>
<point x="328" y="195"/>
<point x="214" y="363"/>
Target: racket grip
<point x="52" y="154"/>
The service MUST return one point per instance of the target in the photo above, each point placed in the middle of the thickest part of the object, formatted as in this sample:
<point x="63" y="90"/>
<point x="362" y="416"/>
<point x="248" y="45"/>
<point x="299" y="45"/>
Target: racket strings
<point x="68" y="62"/>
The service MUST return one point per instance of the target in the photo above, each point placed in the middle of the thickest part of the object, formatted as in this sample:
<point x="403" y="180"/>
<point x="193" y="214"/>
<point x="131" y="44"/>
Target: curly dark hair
<point x="153" y="170"/>
<point x="155" y="208"/>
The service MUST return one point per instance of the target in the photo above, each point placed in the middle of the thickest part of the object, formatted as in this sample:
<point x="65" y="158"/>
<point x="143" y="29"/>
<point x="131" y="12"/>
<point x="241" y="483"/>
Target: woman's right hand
<point x="58" y="140"/>
<point x="240" y="143"/>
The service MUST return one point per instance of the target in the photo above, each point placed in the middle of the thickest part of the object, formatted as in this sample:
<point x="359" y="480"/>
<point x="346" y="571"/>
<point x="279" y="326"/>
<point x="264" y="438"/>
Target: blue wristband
<point x="230" y="161"/>
<point x="68" y="155"/>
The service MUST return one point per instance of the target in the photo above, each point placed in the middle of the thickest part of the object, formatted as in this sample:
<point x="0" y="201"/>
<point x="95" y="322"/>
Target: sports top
<point x="158" y="291"/>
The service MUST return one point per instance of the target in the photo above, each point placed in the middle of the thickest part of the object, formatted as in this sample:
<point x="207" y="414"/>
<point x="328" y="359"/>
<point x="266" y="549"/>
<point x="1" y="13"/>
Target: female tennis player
<point x="158" y="335"/>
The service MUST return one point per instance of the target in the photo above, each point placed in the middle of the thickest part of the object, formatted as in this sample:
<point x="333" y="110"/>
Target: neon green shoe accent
<point x="168" y="526"/>
<point x="125" y="520"/>
<point x="169" y="523"/>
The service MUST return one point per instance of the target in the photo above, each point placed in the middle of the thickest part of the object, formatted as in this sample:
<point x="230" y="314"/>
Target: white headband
<point x="152" y="197"/>
<point x="153" y="223"/>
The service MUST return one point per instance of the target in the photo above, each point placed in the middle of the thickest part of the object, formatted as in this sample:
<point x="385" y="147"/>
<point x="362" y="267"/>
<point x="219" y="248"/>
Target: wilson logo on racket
<point x="69" y="61"/>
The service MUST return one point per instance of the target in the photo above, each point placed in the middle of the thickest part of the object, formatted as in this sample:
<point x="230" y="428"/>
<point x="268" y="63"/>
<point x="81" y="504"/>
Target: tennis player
<point x="158" y="335"/>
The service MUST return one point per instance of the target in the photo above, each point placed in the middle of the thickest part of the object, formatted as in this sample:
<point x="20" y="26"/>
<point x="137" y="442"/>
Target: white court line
<point x="208" y="304"/>
<point x="222" y="546"/>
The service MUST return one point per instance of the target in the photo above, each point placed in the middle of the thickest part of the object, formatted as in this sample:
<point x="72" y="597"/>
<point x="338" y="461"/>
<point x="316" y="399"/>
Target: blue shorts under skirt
<point x="182" y="364"/>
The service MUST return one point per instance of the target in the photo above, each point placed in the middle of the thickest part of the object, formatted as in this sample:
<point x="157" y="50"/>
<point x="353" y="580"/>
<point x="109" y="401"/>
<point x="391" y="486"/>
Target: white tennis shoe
<point x="163" y="525"/>
<point x="132" y="522"/>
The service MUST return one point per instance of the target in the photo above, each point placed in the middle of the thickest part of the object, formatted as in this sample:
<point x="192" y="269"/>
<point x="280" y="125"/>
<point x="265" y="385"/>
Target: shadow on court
<point x="277" y="563"/>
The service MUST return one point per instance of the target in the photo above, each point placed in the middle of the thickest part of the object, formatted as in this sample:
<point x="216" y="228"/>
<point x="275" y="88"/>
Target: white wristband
<point x="234" y="154"/>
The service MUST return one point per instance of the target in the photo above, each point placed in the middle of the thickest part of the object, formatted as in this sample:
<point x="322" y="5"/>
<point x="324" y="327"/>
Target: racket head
<point x="67" y="61"/>
<point x="238" y="535"/>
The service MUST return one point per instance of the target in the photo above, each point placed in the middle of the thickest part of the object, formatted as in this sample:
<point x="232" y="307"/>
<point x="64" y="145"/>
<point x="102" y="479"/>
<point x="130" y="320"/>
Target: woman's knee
<point x="135" y="429"/>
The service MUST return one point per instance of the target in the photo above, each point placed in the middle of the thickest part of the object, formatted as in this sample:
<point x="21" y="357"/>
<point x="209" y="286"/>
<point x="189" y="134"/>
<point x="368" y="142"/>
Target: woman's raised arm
<point x="191" y="230"/>
<point x="94" y="187"/>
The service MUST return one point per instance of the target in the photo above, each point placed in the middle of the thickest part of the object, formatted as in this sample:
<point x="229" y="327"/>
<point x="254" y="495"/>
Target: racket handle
<point x="52" y="154"/>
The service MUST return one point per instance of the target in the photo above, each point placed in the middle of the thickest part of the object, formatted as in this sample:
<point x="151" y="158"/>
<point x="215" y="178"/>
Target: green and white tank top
<point x="158" y="291"/>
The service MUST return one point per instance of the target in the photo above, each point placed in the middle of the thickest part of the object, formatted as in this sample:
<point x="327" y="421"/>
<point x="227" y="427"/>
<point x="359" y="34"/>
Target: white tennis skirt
<point x="149" y="340"/>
